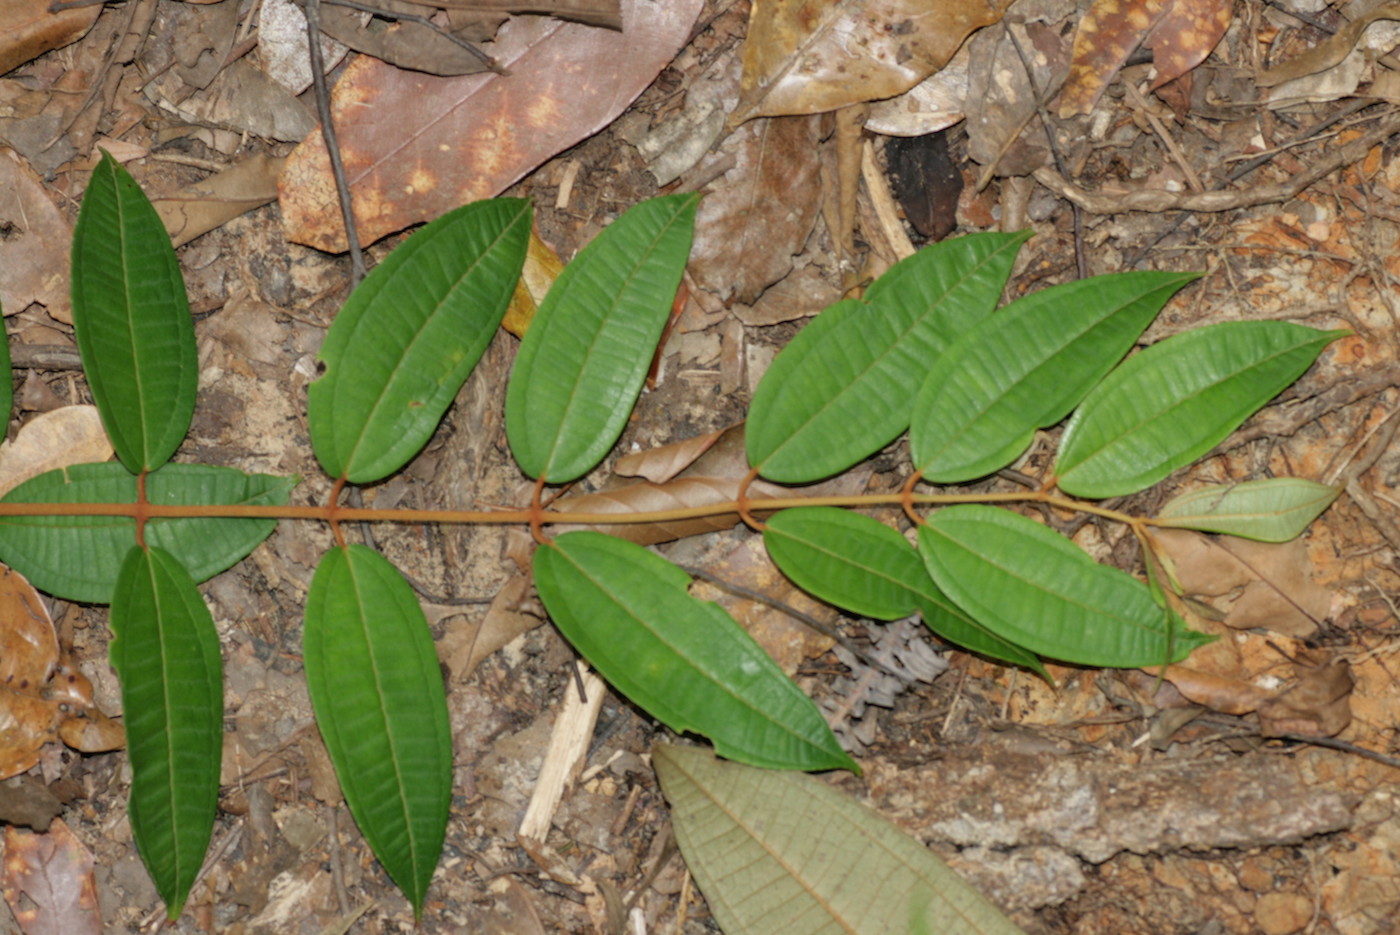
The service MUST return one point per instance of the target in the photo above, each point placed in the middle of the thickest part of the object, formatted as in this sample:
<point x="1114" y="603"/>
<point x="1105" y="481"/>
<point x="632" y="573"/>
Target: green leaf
<point x="405" y="342"/>
<point x="583" y="361"/>
<point x="1272" y="510"/>
<point x="131" y="320"/>
<point x="78" y="558"/>
<point x="840" y="389"/>
<point x="1176" y="400"/>
<point x="865" y="567"/>
<point x="376" y="688"/>
<point x="781" y="853"/>
<point x="166" y="653"/>
<point x="1025" y="368"/>
<point x="685" y="661"/>
<point x="1036" y="588"/>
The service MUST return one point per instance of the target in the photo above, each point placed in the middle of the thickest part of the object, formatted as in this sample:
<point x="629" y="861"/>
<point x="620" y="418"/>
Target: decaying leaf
<point x="51" y="440"/>
<point x="404" y="43"/>
<point x="812" y="56"/>
<point x="199" y="208"/>
<point x="659" y="465"/>
<point x="48" y="882"/>
<point x="28" y="29"/>
<point x="1330" y="52"/>
<point x="542" y="267"/>
<point x="34" y="270"/>
<point x="677" y="494"/>
<point x="415" y="146"/>
<point x="1317" y="705"/>
<point x="1181" y="33"/>
<point x="748" y="230"/>
<point x="1254" y="584"/>
<point x="468" y="642"/>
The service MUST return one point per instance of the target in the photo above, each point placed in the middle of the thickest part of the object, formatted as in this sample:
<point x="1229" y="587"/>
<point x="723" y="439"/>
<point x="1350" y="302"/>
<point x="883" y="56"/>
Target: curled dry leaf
<point x="677" y="494"/>
<point x="48" y="882"/>
<point x="812" y="56"/>
<point x="415" y="146"/>
<point x="659" y="465"/>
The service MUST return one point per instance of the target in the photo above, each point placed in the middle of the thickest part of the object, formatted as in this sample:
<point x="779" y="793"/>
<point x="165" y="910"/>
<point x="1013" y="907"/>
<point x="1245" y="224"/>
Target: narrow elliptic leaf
<point x="78" y="558"/>
<point x="1036" y="588"/>
<point x="376" y="688"/>
<point x="583" y="361"/>
<point x="684" y="661"/>
<point x="1272" y="510"/>
<point x="841" y="389"/>
<point x="1025" y="368"/>
<point x="165" y="651"/>
<point x="781" y="853"/>
<point x="1176" y="400"/>
<point x="405" y="342"/>
<point x="863" y="566"/>
<point x="131" y="320"/>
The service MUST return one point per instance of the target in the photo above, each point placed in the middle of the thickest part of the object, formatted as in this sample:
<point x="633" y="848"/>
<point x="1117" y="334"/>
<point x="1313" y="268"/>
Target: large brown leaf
<point x="48" y="882"/>
<point x="416" y="146"/>
<point x="811" y="56"/>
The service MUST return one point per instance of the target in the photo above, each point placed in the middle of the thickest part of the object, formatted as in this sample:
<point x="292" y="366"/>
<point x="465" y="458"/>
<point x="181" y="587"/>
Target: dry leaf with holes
<point x="1180" y="33"/>
<point x="812" y="56"/>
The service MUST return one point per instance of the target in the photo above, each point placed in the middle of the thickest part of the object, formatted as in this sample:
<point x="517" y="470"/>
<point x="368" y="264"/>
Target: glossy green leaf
<point x="376" y="688"/>
<point x="1272" y="510"/>
<point x="131" y="320"/>
<point x="782" y="853"/>
<point x="1025" y="368"/>
<point x="1036" y="588"/>
<point x="865" y="567"/>
<point x="841" y="389"/>
<point x="1172" y="403"/>
<point x="582" y="363"/>
<point x="405" y="342"/>
<point x="685" y="661"/>
<point x="78" y="557"/>
<point x="165" y="651"/>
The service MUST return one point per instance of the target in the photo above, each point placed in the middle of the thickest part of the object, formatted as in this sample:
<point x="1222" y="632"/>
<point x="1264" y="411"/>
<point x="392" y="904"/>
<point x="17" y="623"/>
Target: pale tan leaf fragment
<point x="468" y="642"/>
<point x="283" y="48"/>
<point x="48" y="882"/>
<point x="812" y="56"/>
<point x="542" y="267"/>
<point x="199" y="208"/>
<point x="51" y="440"/>
<point x="782" y="853"/>
<point x="416" y="146"/>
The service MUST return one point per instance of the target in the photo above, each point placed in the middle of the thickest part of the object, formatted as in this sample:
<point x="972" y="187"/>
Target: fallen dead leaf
<point x="812" y="56"/>
<point x="51" y="440"/>
<point x="199" y="208"/>
<point x="48" y="882"/>
<point x="28" y="29"/>
<point x="416" y="146"/>
<point x="1329" y="52"/>
<point x="659" y="465"/>
<point x="542" y="267"/>
<point x="34" y="270"/>
<point x="467" y="643"/>
<point x="1317" y="705"/>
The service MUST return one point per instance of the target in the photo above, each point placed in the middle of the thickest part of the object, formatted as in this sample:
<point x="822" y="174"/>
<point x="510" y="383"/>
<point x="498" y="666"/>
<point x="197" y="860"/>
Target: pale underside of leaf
<point x="1276" y="509"/>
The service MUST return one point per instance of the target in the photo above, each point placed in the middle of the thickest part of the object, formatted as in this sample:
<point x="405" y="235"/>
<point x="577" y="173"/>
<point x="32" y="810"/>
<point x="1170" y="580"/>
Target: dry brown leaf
<point x="542" y="267"/>
<point x="48" y="882"/>
<point x="1330" y="52"/>
<point x="1318" y="705"/>
<point x="468" y="642"/>
<point x="659" y="465"/>
<point x="1186" y="35"/>
<point x="404" y="43"/>
<point x="199" y="208"/>
<point x="751" y="226"/>
<point x="28" y="29"/>
<point x="34" y="270"/>
<point x="1217" y="692"/>
<point x="51" y="440"/>
<point x="28" y="659"/>
<point x="677" y="494"/>
<point x="416" y="146"/>
<point x="812" y="56"/>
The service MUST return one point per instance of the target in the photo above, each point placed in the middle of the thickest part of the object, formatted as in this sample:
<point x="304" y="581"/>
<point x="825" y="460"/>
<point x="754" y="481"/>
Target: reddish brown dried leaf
<point x="1107" y="35"/>
<point x="1186" y="35"/>
<point x="416" y="146"/>
<point x="28" y="659"/>
<point x="678" y="494"/>
<point x="812" y="56"/>
<point x="28" y="29"/>
<point x="48" y="882"/>
<point x="1318" y="705"/>
<point x="1226" y="695"/>
<point x="748" y="230"/>
<point x="659" y="465"/>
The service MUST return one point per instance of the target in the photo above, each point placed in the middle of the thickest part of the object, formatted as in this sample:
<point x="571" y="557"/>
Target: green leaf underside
<point x="781" y="853"/>
<point x="840" y="390"/>
<point x="685" y="661"/>
<point x="1172" y="403"/>
<point x="78" y="558"/>
<point x="1036" y="588"/>
<point x="165" y="651"/>
<point x="864" y="567"/>
<point x="131" y="320"/>
<point x="1025" y="368"/>
<point x="376" y="688"/>
<point x="1273" y="510"/>
<point x="402" y="346"/>
<point x="582" y="363"/>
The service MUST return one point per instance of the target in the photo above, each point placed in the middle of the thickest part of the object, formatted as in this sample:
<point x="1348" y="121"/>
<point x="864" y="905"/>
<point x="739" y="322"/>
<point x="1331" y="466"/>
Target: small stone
<point x="1255" y="877"/>
<point x="1282" y="913"/>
